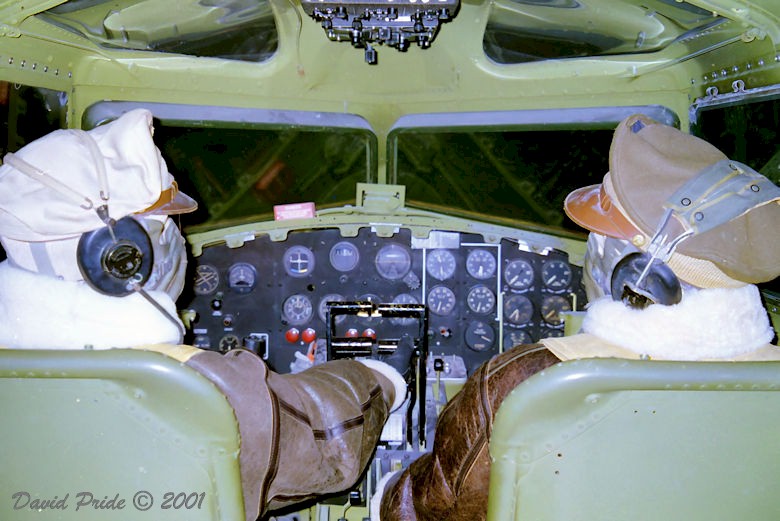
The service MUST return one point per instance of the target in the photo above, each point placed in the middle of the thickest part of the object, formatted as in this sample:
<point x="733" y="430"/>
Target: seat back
<point x="120" y="434"/>
<point x="639" y="440"/>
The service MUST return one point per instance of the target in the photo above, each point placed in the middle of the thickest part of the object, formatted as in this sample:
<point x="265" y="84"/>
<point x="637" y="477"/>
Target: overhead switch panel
<point x="395" y="24"/>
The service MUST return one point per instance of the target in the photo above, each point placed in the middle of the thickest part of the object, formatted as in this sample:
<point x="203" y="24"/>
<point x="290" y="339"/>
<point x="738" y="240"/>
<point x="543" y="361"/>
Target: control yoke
<point x="368" y="347"/>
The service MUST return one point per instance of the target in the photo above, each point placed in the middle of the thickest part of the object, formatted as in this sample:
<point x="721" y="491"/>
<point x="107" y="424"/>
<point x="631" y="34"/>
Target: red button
<point x="309" y="335"/>
<point x="370" y="333"/>
<point x="292" y="335"/>
<point x="352" y="333"/>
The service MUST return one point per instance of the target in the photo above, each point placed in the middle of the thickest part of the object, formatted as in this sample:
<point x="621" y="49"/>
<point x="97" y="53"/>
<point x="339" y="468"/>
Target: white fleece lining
<point x="376" y="499"/>
<point x="707" y="324"/>
<point x="39" y="312"/>
<point x="391" y="374"/>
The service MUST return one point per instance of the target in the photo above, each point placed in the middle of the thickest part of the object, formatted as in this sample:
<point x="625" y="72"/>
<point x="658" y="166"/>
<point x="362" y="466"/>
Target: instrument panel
<point x="272" y="297"/>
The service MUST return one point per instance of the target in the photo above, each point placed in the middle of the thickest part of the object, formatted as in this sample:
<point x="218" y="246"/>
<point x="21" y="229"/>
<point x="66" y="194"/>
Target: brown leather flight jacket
<point x="450" y="483"/>
<point x="302" y="434"/>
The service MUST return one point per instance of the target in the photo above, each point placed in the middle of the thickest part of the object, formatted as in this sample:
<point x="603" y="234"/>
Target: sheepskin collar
<point x="39" y="312"/>
<point x="708" y="324"/>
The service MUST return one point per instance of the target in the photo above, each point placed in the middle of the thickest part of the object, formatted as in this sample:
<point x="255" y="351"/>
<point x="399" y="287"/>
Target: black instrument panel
<point x="272" y="297"/>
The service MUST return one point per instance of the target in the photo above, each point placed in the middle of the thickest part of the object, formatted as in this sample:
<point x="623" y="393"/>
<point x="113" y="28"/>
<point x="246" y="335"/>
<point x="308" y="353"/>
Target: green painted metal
<point x="120" y="424"/>
<point x="383" y="210"/>
<point x="310" y="73"/>
<point x="640" y="440"/>
<point x="620" y="435"/>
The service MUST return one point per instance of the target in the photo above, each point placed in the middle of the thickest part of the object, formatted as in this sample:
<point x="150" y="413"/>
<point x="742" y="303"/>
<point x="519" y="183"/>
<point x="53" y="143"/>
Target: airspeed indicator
<point x="440" y="264"/>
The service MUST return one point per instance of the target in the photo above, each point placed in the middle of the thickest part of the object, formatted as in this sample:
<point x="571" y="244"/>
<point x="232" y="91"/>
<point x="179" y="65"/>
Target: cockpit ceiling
<point x="516" y="31"/>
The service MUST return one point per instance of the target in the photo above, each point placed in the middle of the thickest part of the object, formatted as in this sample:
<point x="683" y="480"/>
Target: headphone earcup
<point x="659" y="286"/>
<point x="112" y="263"/>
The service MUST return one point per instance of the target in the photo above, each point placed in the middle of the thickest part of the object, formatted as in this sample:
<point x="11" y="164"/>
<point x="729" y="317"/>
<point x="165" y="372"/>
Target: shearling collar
<point x="39" y="312"/>
<point x="711" y="324"/>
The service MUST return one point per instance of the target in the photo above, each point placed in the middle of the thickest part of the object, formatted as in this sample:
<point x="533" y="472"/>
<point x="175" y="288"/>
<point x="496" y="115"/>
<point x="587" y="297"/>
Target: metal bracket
<point x="380" y="198"/>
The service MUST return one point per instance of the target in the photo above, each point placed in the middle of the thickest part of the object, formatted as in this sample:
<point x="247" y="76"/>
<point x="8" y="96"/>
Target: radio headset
<point x="717" y="195"/>
<point x="116" y="259"/>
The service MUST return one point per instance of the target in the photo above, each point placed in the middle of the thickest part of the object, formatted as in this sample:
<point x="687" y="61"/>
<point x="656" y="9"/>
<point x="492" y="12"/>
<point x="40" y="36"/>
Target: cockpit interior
<point x="369" y="169"/>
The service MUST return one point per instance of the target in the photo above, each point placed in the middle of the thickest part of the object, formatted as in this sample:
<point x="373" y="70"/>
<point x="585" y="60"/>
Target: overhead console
<point x="367" y="22"/>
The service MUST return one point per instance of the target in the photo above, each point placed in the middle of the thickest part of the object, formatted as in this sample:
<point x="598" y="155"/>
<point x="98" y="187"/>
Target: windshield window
<point x="522" y="175"/>
<point x="232" y="29"/>
<point x="517" y="165"/>
<point x="241" y="172"/>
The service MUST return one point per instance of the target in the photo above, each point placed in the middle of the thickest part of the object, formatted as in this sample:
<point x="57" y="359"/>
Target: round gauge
<point x="298" y="261"/>
<point x="519" y="274"/>
<point x="297" y="309"/>
<point x="481" y="299"/>
<point x="481" y="264"/>
<point x="206" y="279"/>
<point x="370" y="297"/>
<point x="556" y="274"/>
<point x="552" y="307"/>
<point x="393" y="262"/>
<point x="323" y="307"/>
<point x="441" y="300"/>
<point x="228" y="342"/>
<point x="548" y="333"/>
<point x="518" y="309"/>
<point x="516" y="338"/>
<point x="374" y="299"/>
<point x="479" y="336"/>
<point x="344" y="256"/>
<point x="242" y="277"/>
<point x="440" y="264"/>
<point x="404" y="298"/>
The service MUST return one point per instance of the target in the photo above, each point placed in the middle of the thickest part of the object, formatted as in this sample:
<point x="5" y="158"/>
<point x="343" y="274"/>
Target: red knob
<point x="309" y="335"/>
<point x="292" y="335"/>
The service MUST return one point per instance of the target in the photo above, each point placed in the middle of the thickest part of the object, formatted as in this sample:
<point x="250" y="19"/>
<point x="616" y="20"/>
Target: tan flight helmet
<point x="93" y="205"/>
<point x="686" y="210"/>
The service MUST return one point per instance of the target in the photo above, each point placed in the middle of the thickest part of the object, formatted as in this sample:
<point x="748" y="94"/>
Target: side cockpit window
<point x="522" y="31"/>
<point x="242" y="30"/>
